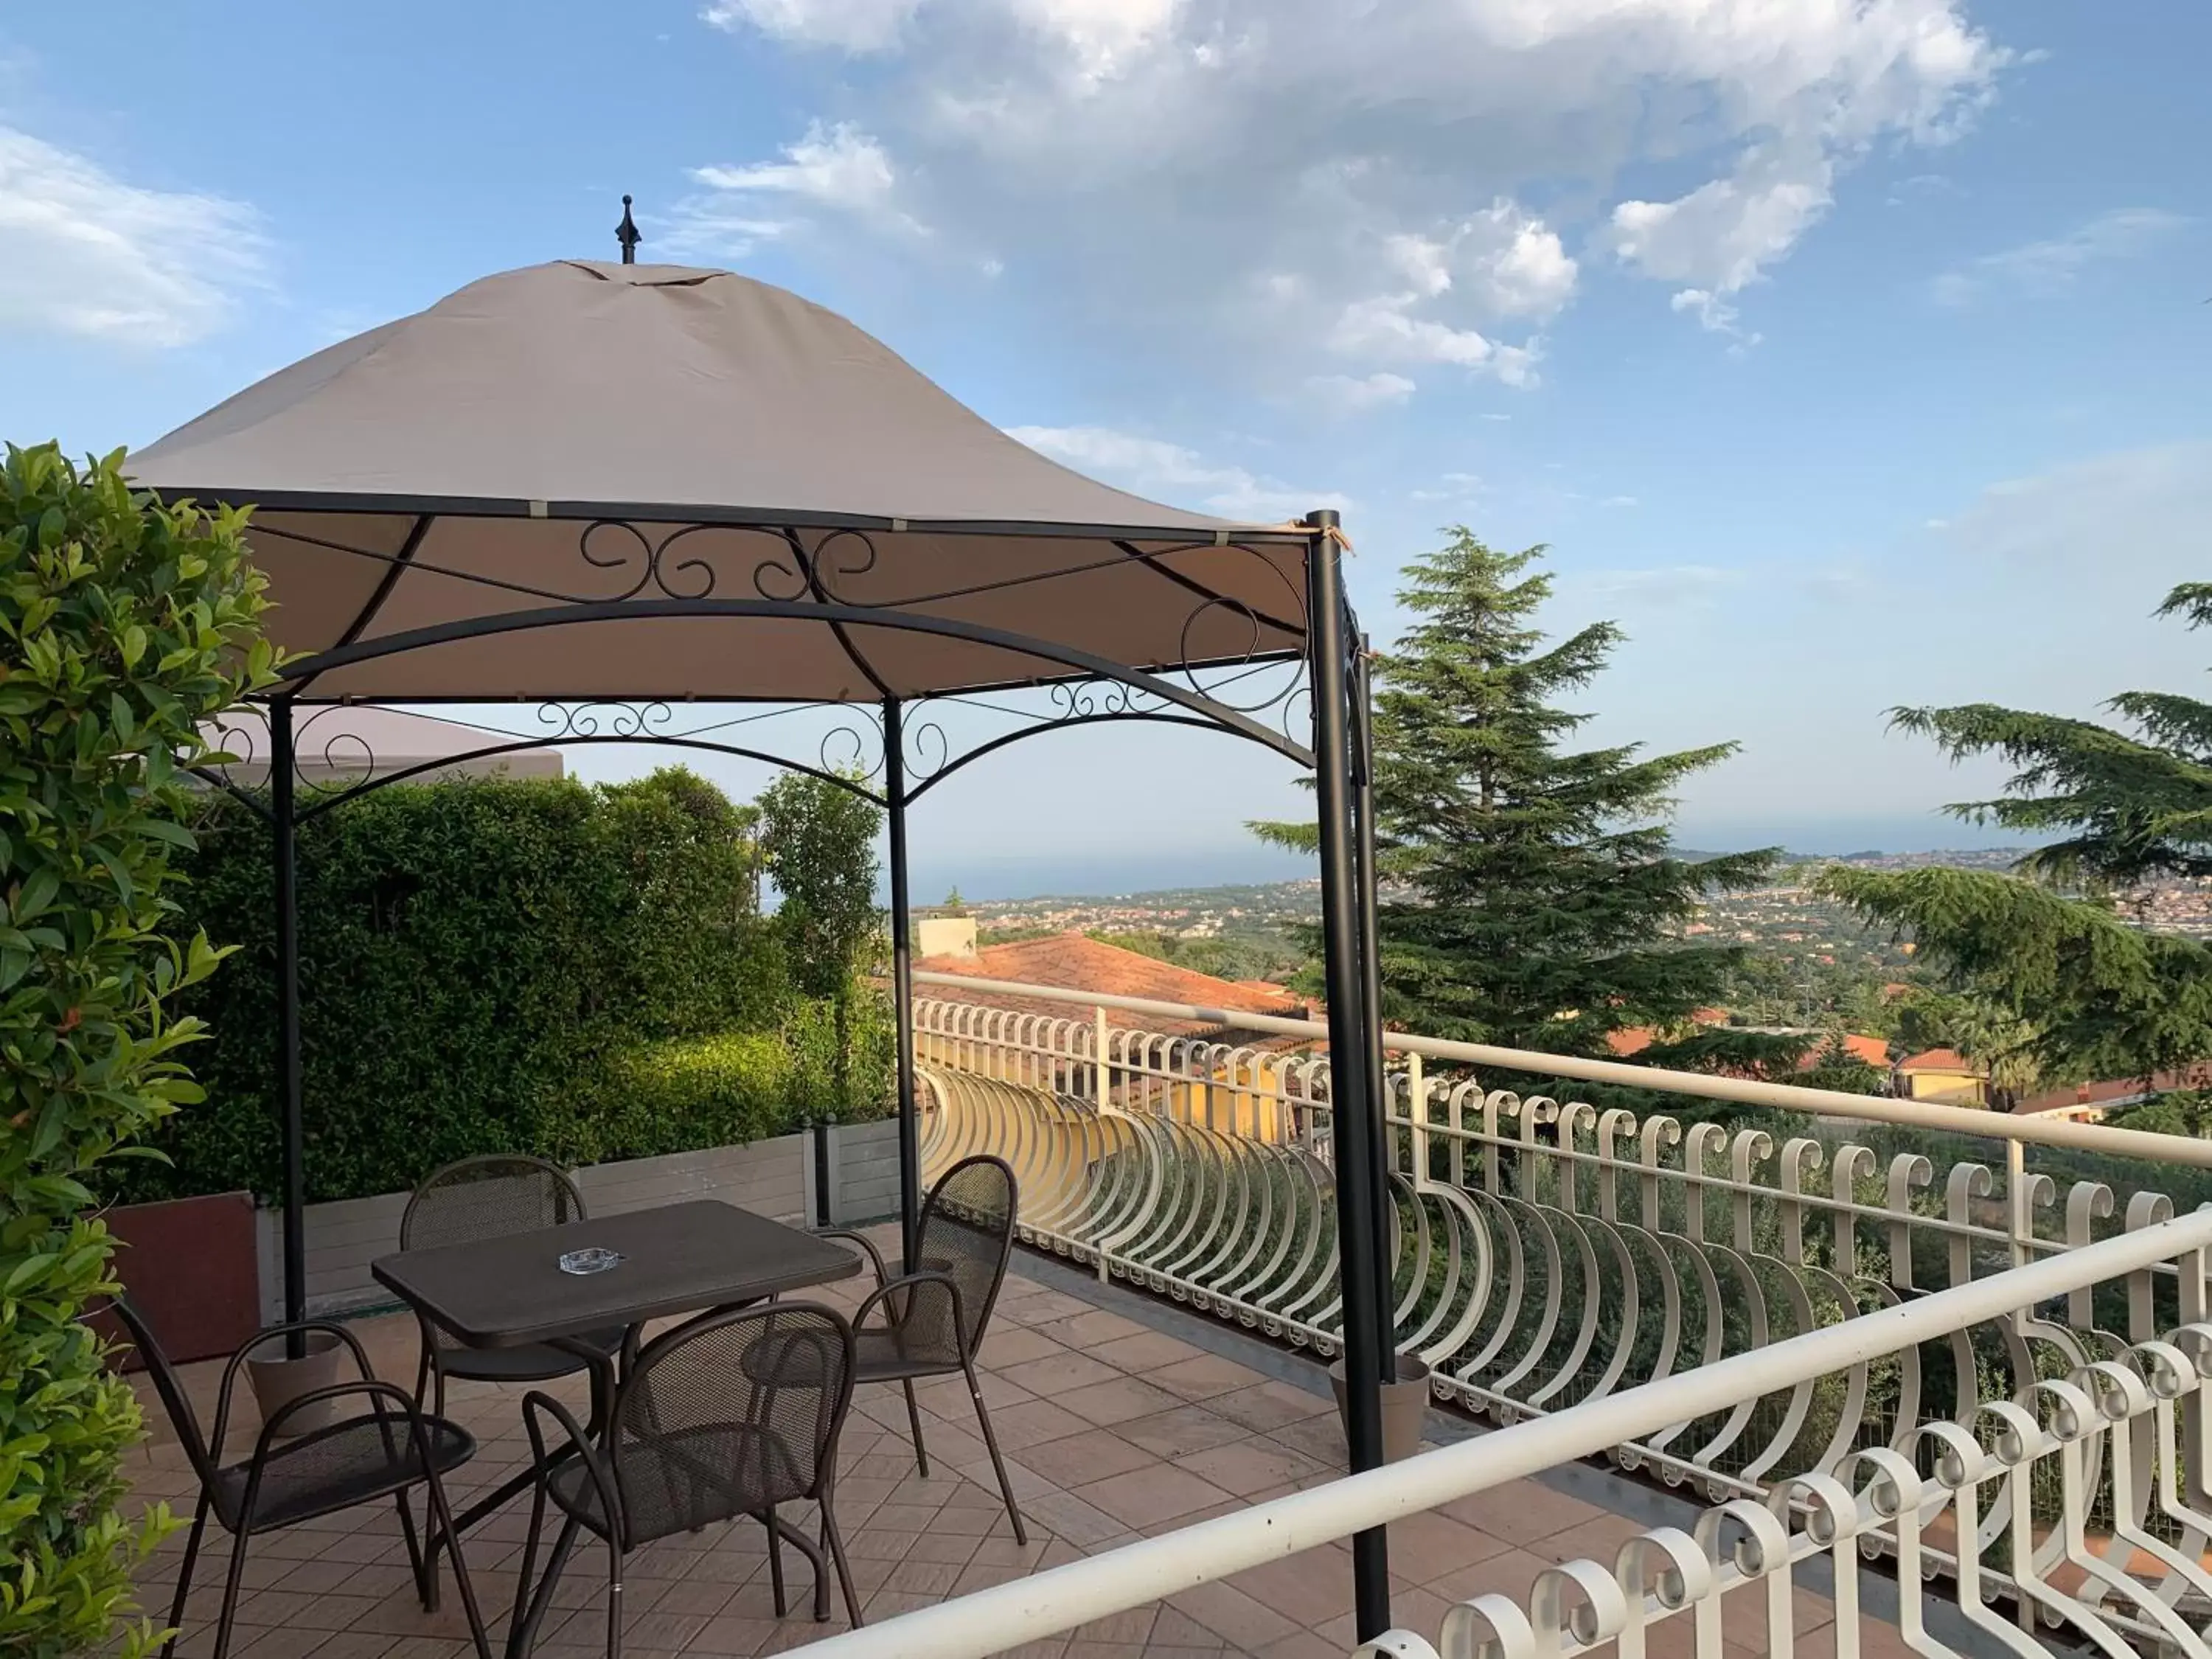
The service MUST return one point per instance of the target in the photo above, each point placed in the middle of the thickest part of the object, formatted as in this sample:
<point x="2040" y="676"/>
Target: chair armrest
<point x="261" y="1339"/>
<point x="867" y="1246"/>
<point x="538" y="1405"/>
<point x="911" y="1285"/>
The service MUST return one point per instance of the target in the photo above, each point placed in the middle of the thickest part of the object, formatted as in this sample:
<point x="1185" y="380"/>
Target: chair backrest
<point x="489" y="1197"/>
<point x="171" y="1389"/>
<point x="968" y="1231"/>
<point x="729" y="1413"/>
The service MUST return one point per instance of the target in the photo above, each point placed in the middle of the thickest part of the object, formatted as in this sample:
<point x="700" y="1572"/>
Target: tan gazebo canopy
<point x="579" y="436"/>
<point x="583" y="483"/>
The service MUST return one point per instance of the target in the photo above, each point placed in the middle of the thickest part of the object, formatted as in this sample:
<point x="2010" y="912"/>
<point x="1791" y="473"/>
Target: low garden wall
<point x="776" y="1177"/>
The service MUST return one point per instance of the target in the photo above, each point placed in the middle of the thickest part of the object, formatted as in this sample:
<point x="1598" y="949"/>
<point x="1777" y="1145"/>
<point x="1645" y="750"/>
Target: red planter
<point x="193" y="1267"/>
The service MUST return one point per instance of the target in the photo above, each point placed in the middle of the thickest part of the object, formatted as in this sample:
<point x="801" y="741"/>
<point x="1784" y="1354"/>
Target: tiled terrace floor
<point x="1114" y="1431"/>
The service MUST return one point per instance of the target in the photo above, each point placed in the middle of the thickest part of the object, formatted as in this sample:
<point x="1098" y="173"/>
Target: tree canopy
<point x="2060" y="984"/>
<point x="1534" y="898"/>
<point x="2128" y="804"/>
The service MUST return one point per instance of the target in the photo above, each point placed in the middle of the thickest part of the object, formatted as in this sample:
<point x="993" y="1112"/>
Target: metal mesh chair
<point x="491" y="1197"/>
<point x="730" y="1414"/>
<point x="381" y="1452"/>
<point x="932" y="1320"/>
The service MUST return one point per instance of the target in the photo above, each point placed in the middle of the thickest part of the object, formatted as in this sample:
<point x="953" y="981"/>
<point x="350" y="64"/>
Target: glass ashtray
<point x="593" y="1260"/>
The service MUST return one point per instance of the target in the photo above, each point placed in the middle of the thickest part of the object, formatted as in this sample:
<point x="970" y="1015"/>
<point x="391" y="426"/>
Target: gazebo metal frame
<point x="667" y="557"/>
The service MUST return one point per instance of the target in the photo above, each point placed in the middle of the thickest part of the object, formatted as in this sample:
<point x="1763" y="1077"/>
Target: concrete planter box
<point x="864" y="1172"/>
<point x="777" y="1178"/>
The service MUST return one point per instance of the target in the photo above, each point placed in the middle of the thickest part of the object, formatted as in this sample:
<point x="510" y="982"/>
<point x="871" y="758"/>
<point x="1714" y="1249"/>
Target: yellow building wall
<point x="1948" y="1088"/>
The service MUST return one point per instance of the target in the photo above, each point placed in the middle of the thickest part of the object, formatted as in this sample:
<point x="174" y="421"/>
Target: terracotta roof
<point x="1938" y="1060"/>
<point x="1871" y="1049"/>
<point x="1633" y="1040"/>
<point x="1076" y="962"/>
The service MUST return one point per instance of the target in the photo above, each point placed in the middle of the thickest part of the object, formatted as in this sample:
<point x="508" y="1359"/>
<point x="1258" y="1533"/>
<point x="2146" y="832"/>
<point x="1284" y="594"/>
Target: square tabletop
<point x="676" y="1258"/>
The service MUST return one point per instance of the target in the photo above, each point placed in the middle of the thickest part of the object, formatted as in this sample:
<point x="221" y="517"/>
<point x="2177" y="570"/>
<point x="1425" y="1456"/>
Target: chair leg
<point x="834" y="1542"/>
<point x="530" y="1606"/>
<point x="614" y="1596"/>
<point x="184" y="1579"/>
<point x="422" y="1557"/>
<point x="775" y="1560"/>
<point x="998" y="1463"/>
<point x="232" y="1581"/>
<point x="914" y="1419"/>
<point x="438" y="1519"/>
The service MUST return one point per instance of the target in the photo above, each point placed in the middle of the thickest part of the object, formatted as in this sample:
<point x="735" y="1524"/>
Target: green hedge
<point x="500" y="965"/>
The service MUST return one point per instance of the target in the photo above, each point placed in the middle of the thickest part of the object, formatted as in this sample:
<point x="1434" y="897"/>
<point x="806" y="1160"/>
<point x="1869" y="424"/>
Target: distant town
<point x="1251" y="931"/>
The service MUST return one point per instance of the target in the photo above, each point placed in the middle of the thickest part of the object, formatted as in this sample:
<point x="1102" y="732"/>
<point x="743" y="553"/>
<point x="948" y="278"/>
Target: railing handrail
<point x="1028" y="1609"/>
<point x="1787" y="1097"/>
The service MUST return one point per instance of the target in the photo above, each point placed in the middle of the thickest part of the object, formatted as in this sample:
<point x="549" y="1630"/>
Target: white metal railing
<point x="2084" y="1500"/>
<point x="2033" y="1129"/>
<point x="1549" y="1253"/>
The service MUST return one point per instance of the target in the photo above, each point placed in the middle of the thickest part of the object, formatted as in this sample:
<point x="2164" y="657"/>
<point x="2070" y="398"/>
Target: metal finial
<point x="626" y="232"/>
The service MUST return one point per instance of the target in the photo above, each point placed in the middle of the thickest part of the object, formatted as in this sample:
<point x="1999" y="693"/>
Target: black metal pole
<point x="285" y="829"/>
<point x="1352" y="1129"/>
<point x="1365" y="879"/>
<point x="902" y="985"/>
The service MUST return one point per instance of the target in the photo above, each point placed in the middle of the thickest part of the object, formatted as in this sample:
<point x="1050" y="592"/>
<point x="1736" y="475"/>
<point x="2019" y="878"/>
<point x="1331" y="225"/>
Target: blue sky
<point x="1850" y="353"/>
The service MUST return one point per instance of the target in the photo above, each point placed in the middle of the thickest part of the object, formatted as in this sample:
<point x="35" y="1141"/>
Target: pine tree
<point x="2049" y="951"/>
<point x="1533" y="898"/>
<point x="2133" y="805"/>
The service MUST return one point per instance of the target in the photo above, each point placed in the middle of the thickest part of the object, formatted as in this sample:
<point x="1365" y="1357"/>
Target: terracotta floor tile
<point x="1510" y="1572"/>
<point x="1521" y="1512"/>
<point x="1267" y="1406"/>
<point x="1117" y="1400"/>
<point x="1061" y="1374"/>
<point x="1203" y="1377"/>
<point x="1246" y="1466"/>
<point x="1072" y="1520"/>
<point x="1321" y="1438"/>
<point x="1032" y="1424"/>
<point x="740" y="1637"/>
<point x="1081" y="1458"/>
<point x="1131" y="1626"/>
<point x="1180" y="1430"/>
<point x="1309" y="1588"/>
<point x="1145" y="1496"/>
<point x="1145" y="1351"/>
<point x="1424" y="1547"/>
<point x="1235" y="1617"/>
<point x="1093" y="1327"/>
<point x="1014" y="1344"/>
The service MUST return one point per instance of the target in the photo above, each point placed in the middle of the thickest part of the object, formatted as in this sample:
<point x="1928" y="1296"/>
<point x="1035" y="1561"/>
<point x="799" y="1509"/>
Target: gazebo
<point x="611" y="490"/>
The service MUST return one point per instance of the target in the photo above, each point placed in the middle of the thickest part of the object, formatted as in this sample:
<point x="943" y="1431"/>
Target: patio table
<point x="676" y="1258"/>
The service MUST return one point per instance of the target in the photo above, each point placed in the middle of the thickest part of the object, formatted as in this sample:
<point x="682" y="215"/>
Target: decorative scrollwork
<point x="604" y="720"/>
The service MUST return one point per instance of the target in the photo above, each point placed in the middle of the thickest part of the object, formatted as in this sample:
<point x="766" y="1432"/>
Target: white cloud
<point x="1153" y="466"/>
<point x="850" y="25"/>
<point x="1720" y="237"/>
<point x="1261" y="176"/>
<point x="2132" y="520"/>
<point x="2047" y="268"/>
<point x="1384" y="327"/>
<point x="88" y="254"/>
<point x="1347" y="394"/>
<point x="835" y="168"/>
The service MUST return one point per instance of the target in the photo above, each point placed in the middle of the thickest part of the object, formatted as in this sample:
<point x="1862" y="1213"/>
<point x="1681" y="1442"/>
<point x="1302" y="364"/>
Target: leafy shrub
<point x="478" y="957"/>
<point x="126" y="622"/>
<point x="682" y="1093"/>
